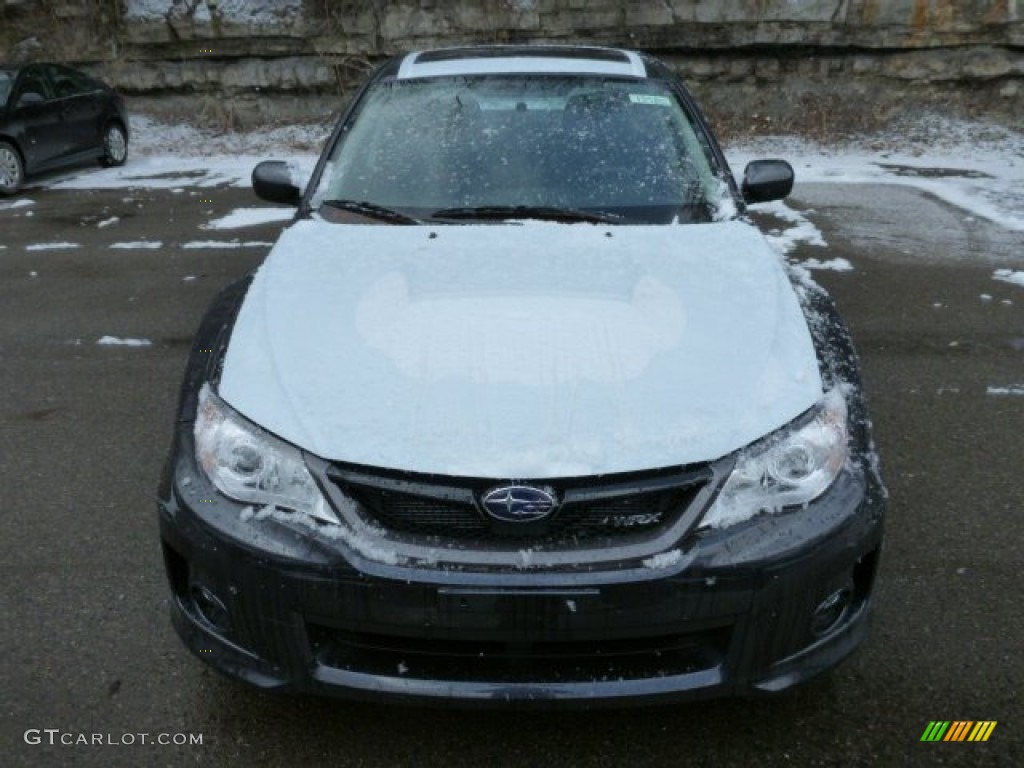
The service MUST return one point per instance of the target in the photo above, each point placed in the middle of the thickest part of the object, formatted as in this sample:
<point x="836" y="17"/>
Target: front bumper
<point x="741" y="612"/>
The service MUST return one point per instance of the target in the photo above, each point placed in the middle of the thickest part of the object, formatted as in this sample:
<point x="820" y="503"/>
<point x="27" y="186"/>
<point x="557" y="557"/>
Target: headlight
<point x="250" y="465"/>
<point x="790" y="468"/>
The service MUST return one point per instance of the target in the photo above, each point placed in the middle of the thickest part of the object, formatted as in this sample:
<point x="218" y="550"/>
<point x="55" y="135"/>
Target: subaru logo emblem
<point x="518" y="504"/>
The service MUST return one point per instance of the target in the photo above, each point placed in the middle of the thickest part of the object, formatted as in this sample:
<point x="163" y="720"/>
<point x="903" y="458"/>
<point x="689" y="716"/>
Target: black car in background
<point x="53" y="116"/>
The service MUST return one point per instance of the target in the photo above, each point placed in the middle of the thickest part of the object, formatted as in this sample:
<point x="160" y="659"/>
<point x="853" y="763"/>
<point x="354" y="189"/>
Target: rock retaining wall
<point x="822" y="66"/>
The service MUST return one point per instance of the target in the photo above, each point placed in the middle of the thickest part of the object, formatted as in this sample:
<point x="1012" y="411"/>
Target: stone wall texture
<point x="818" y="65"/>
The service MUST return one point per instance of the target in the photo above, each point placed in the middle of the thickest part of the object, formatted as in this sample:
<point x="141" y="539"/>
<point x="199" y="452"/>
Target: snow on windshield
<point x="623" y="147"/>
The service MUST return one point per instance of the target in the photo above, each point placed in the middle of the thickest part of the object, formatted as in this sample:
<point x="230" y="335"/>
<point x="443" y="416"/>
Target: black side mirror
<point x="766" y="180"/>
<point x="30" y="97"/>
<point x="272" y="180"/>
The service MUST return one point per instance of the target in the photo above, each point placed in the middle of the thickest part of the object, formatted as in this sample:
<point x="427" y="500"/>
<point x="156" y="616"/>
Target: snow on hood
<point x="531" y="350"/>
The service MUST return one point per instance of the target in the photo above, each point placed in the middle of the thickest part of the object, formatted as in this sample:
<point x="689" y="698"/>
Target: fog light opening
<point x="831" y="611"/>
<point x="210" y="608"/>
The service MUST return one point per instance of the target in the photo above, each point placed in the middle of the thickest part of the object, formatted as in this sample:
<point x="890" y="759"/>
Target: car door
<point x="80" y="103"/>
<point x="36" y="118"/>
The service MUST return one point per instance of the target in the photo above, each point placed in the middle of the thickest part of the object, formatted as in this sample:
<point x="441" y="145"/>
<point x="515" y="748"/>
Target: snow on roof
<point x="577" y="61"/>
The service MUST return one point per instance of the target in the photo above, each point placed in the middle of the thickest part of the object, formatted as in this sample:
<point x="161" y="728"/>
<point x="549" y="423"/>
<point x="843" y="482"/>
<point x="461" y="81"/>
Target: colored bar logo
<point x="958" y="730"/>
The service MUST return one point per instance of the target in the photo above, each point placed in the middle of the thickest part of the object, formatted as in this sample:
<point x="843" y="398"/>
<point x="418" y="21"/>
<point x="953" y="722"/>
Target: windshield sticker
<point x="650" y="98"/>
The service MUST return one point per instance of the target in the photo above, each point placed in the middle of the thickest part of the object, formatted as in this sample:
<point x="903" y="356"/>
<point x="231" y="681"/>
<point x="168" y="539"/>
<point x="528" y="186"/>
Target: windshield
<point x="440" y="146"/>
<point x="6" y="83"/>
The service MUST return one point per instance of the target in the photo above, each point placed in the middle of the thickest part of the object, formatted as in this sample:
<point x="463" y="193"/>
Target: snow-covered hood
<point x="522" y="351"/>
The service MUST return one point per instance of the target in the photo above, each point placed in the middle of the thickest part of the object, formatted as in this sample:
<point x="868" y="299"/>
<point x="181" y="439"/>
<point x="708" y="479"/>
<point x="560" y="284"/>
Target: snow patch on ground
<point x="834" y="265"/>
<point x="52" y="246"/>
<point x="197" y="244"/>
<point x="166" y="156"/>
<point x="248" y="217"/>
<point x="22" y="203"/>
<point x="123" y="342"/>
<point x="973" y="165"/>
<point x="1013" y="389"/>
<point x="167" y="171"/>
<point x="1009" y="276"/>
<point x="801" y="229"/>
<point x="149" y="245"/>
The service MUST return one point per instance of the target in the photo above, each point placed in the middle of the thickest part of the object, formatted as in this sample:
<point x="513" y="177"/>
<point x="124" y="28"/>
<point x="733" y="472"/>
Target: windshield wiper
<point x="372" y="210"/>
<point x="545" y="213"/>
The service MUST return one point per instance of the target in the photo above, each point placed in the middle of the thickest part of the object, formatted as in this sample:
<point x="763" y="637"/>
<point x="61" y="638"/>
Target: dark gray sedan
<point x="52" y="116"/>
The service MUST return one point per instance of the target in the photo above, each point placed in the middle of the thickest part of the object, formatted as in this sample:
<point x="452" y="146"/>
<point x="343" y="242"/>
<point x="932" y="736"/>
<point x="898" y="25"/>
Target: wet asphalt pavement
<point x="85" y="642"/>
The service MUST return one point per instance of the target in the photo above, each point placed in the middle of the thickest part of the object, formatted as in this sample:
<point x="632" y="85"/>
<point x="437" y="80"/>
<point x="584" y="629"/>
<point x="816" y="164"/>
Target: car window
<point x="6" y="84"/>
<point x="34" y="81"/>
<point x="68" y="82"/>
<point x="620" y="146"/>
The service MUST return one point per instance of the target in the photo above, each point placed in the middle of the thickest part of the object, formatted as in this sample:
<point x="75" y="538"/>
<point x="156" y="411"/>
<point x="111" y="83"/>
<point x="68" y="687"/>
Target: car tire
<point x="115" y="146"/>
<point x="12" y="169"/>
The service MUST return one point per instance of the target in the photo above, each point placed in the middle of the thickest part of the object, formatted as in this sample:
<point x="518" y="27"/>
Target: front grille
<point x="590" y="509"/>
<point x="526" y="662"/>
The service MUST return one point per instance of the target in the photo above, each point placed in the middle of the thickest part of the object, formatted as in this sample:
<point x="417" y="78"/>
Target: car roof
<point x="540" y="59"/>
